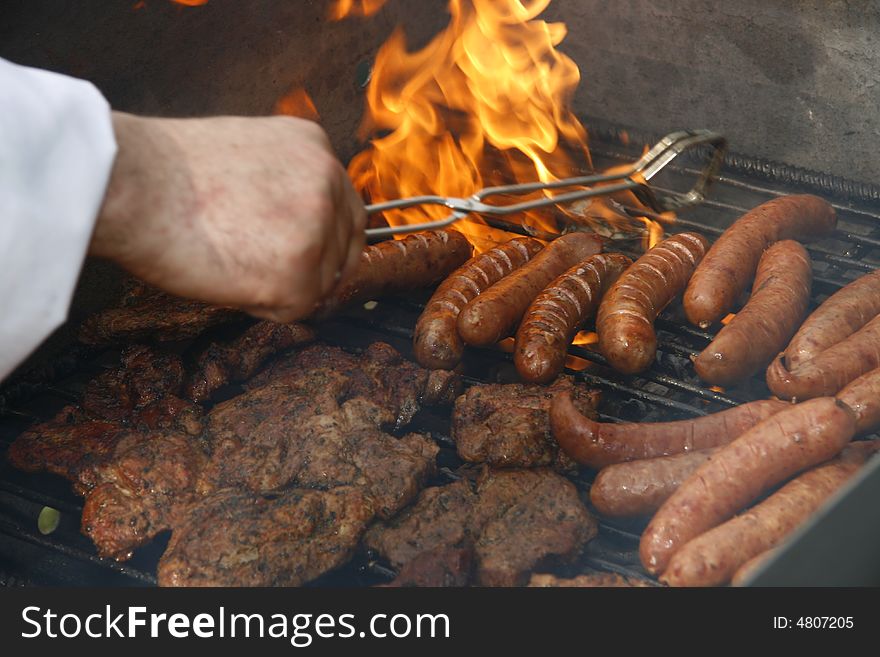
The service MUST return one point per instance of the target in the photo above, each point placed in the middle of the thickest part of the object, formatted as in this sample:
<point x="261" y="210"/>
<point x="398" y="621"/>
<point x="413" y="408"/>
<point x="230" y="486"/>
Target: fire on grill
<point x="485" y="447"/>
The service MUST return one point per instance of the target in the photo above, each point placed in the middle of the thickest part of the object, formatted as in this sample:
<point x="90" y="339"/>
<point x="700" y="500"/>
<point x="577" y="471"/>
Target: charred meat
<point x="140" y="490"/>
<point x="236" y="538"/>
<point x="509" y="426"/>
<point x="148" y="313"/>
<point x="441" y="567"/>
<point x="241" y="358"/>
<point x="66" y="445"/>
<point x="514" y="520"/>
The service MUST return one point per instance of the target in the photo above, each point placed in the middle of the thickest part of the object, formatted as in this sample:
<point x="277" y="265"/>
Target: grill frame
<point x="665" y="392"/>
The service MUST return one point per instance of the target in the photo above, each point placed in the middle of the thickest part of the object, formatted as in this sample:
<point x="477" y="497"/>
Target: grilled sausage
<point x="839" y="316"/>
<point x="751" y="567"/>
<point x="763" y="327"/>
<point x="772" y="451"/>
<point x="416" y="261"/>
<point x="832" y="369"/>
<point x="598" y="444"/>
<point x="558" y="312"/>
<point x="625" y="321"/>
<point x="863" y="396"/>
<point x="436" y="344"/>
<point x="638" y="488"/>
<point x="712" y="558"/>
<point x="730" y="264"/>
<point x="494" y="314"/>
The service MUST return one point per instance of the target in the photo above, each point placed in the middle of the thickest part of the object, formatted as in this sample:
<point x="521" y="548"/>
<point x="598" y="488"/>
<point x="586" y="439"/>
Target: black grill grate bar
<point x="18" y="532"/>
<point x="33" y="495"/>
<point x="639" y="394"/>
<point x="662" y="379"/>
<point x="683" y="329"/>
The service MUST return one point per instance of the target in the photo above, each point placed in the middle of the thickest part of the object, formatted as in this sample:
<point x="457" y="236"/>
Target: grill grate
<point x="669" y="390"/>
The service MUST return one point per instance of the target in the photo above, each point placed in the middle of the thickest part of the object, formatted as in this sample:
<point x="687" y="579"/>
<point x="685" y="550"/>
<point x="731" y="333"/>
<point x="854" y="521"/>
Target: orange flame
<point x="191" y="3"/>
<point x="584" y="338"/>
<point x="576" y="364"/>
<point x="486" y="102"/>
<point x="345" y="8"/>
<point x="297" y="102"/>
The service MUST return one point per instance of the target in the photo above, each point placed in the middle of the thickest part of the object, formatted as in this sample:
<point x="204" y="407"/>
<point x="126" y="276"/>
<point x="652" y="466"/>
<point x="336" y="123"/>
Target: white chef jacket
<point x="56" y="151"/>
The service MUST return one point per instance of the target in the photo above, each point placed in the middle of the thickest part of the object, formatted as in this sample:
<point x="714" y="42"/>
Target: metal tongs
<point x="636" y="179"/>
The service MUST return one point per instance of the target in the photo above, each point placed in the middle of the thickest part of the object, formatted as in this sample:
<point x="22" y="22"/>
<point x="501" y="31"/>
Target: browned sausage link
<point x="638" y="488"/>
<point x="839" y="316"/>
<point x="711" y="559"/>
<point x="494" y="314"/>
<point x="598" y="444"/>
<point x="863" y="397"/>
<point x="751" y="567"/>
<point x="763" y="327"/>
<point x="558" y="312"/>
<point x="832" y="369"/>
<point x="625" y="321"/>
<point x="779" y="447"/>
<point x="436" y="343"/>
<point x="416" y="261"/>
<point x="730" y="264"/>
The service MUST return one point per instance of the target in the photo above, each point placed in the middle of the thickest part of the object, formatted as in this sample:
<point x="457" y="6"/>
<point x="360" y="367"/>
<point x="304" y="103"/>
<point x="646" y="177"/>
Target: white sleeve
<point x="56" y="152"/>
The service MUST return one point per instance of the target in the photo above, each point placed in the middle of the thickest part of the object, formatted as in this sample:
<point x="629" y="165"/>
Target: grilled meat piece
<point x="516" y="520"/>
<point x="326" y="450"/>
<point x="148" y="313"/>
<point x="66" y="445"/>
<point x="140" y="489"/>
<point x="591" y="580"/>
<point x="139" y="394"/>
<point x="240" y="359"/>
<point x="508" y="426"/>
<point x="380" y="374"/>
<point x="315" y="421"/>
<point x="235" y="538"/>
<point x="440" y="567"/>
<point x="142" y="393"/>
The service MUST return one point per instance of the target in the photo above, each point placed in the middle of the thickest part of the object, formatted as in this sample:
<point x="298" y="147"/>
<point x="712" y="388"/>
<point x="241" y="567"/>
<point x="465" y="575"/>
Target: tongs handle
<point x="635" y="178"/>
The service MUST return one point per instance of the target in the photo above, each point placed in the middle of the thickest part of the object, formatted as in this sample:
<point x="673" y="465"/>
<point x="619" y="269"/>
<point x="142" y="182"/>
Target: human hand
<point x="255" y="213"/>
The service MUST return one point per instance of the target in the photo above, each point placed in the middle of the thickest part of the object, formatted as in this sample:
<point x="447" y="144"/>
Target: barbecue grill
<point x="171" y="82"/>
<point x="669" y="390"/>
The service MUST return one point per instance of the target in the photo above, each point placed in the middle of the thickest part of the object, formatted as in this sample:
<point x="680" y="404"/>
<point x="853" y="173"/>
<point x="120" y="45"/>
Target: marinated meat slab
<point x="315" y="419"/>
<point x="508" y="426"/>
<point x="236" y="538"/>
<point x="380" y="374"/>
<point x="514" y="520"/>
<point x="139" y="394"/>
<point x="591" y="580"/>
<point x="441" y="567"/>
<point x="66" y="445"/>
<point x="143" y="393"/>
<point x="326" y="450"/>
<point x="140" y="489"/>
<point x="241" y="358"/>
<point x="148" y="313"/>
